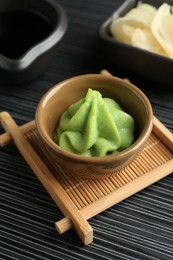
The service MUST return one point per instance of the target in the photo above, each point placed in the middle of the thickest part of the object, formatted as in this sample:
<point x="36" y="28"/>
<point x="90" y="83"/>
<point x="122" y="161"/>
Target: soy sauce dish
<point x="30" y="32"/>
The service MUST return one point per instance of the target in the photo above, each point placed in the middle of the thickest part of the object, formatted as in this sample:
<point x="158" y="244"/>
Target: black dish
<point x="132" y="59"/>
<point x="30" y="31"/>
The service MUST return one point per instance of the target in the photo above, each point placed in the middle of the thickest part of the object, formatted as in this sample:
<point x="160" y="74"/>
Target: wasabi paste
<point x="95" y="126"/>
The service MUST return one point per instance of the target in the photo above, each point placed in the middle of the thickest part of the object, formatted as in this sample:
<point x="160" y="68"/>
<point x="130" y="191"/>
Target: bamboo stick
<point x="6" y="137"/>
<point x="107" y="73"/>
<point x="163" y="133"/>
<point x="118" y="195"/>
<point x="48" y="180"/>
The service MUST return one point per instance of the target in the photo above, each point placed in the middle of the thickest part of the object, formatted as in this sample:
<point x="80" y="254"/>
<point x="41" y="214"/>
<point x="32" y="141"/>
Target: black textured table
<point x="140" y="227"/>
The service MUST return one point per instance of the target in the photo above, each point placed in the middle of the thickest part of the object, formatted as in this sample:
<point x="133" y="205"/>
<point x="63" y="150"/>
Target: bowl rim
<point x="95" y="160"/>
<point x="30" y="55"/>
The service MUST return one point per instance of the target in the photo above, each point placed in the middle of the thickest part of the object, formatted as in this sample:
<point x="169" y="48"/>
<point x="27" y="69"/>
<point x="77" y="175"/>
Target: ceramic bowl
<point x="30" y="33"/>
<point x="131" y="59"/>
<point x="65" y="93"/>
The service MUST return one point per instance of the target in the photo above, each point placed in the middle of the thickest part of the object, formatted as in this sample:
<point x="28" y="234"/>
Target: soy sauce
<point x="20" y="31"/>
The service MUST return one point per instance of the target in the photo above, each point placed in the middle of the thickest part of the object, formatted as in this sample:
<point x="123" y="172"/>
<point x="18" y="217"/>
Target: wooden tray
<point x="81" y="199"/>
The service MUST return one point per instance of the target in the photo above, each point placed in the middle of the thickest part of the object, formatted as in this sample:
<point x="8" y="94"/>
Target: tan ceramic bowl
<point x="62" y="95"/>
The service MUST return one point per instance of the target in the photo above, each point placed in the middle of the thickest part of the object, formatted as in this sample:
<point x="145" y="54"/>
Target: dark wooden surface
<point x="141" y="227"/>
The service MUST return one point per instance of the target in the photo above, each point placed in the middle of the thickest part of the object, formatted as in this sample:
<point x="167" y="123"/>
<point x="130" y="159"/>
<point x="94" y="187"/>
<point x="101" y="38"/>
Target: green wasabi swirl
<point x="95" y="126"/>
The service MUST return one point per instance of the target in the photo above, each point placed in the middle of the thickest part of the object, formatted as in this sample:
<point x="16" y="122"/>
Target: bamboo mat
<point x="90" y="197"/>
